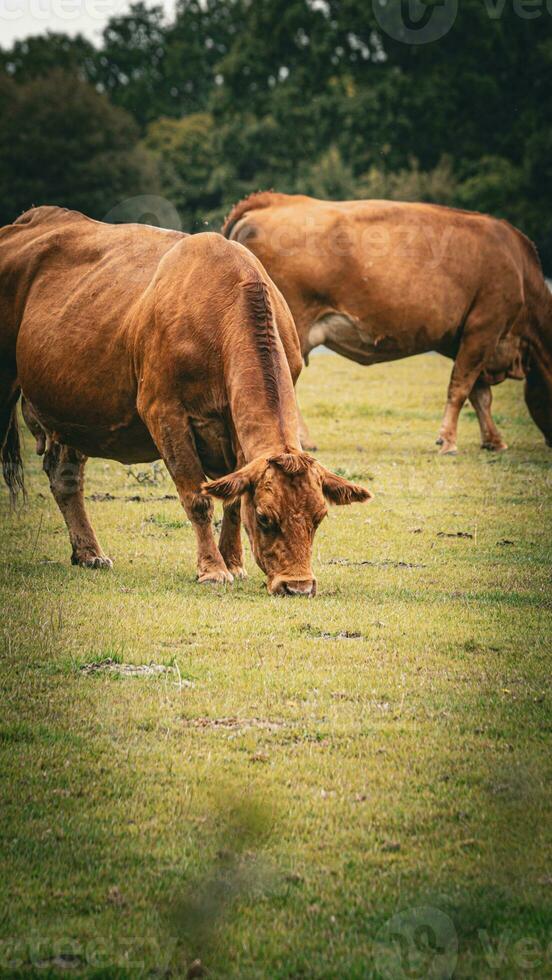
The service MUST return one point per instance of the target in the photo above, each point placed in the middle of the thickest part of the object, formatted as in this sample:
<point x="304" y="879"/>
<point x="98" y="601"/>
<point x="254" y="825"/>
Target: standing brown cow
<point x="134" y="343"/>
<point x="381" y="280"/>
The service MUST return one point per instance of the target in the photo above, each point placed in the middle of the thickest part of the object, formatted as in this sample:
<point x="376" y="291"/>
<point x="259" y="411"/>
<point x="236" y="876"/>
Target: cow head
<point x="284" y="499"/>
<point x="538" y="398"/>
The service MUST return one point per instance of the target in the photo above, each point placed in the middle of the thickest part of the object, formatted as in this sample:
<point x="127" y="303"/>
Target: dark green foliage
<point x="62" y="142"/>
<point x="312" y="96"/>
<point x="187" y="162"/>
<point x="37" y="56"/>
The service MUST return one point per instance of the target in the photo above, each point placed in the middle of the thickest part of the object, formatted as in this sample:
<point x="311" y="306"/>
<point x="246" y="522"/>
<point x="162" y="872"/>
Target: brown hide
<point x="135" y="343"/>
<point x="381" y="280"/>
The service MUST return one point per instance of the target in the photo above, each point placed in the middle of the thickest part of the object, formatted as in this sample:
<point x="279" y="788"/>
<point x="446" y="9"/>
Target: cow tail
<point x="12" y="464"/>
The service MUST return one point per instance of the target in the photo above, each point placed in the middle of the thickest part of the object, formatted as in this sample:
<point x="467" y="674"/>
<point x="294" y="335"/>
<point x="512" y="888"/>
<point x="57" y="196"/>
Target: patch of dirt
<point x="342" y="635"/>
<point x="115" y="897"/>
<point x="346" y="696"/>
<point x="134" y="498"/>
<point x="294" y="878"/>
<point x="386" y="563"/>
<point x="317" y="634"/>
<point x="110" y="666"/>
<point x="504" y="542"/>
<point x="164" y="496"/>
<point x="195" y="969"/>
<point x="455" y="534"/>
<point x="234" y="724"/>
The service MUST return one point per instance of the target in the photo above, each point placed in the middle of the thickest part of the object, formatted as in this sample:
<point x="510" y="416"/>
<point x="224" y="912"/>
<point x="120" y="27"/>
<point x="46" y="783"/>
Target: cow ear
<point x="340" y="491"/>
<point x="229" y="487"/>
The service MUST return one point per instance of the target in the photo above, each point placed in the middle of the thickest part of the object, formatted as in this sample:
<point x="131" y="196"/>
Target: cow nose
<point x="305" y="588"/>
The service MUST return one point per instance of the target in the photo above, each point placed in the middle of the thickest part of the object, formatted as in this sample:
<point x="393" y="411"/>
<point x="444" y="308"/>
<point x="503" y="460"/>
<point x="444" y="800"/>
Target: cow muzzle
<point x="293" y="587"/>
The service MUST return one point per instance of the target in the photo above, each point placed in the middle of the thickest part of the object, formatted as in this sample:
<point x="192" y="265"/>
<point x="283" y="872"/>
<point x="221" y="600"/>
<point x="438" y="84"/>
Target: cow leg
<point x="230" y="542"/>
<point x="468" y="365"/>
<point x="65" y="470"/>
<point x="174" y="439"/>
<point x="304" y="435"/>
<point x="34" y="427"/>
<point x="481" y="399"/>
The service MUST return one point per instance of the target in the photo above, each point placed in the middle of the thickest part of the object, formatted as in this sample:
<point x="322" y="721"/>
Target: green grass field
<point x="303" y="771"/>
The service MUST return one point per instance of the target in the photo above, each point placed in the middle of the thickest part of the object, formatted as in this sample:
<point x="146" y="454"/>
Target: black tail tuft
<point x="12" y="464"/>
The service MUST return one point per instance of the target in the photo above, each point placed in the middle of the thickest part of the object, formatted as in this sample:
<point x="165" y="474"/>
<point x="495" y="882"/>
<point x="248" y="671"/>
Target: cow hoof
<point x="439" y="441"/>
<point x="494" y="447"/>
<point x="238" y="571"/>
<point x="92" y="561"/>
<point x="448" y="449"/>
<point x="216" y="577"/>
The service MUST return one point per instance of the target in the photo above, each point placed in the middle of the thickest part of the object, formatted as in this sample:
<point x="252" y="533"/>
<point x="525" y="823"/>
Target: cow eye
<point x="265" y="522"/>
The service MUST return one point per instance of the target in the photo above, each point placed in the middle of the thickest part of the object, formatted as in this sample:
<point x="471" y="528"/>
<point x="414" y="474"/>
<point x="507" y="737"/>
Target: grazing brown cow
<point x="380" y="280"/>
<point x="134" y="343"/>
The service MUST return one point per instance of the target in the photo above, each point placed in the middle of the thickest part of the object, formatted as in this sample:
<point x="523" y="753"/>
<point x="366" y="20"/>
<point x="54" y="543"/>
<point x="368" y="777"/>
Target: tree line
<point x="309" y="96"/>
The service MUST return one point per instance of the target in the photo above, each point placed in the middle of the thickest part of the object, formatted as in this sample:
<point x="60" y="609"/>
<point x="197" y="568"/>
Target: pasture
<point x="287" y="776"/>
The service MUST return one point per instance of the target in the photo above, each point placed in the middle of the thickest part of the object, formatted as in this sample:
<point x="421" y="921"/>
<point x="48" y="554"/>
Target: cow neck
<point x="262" y="430"/>
<point x="258" y="380"/>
